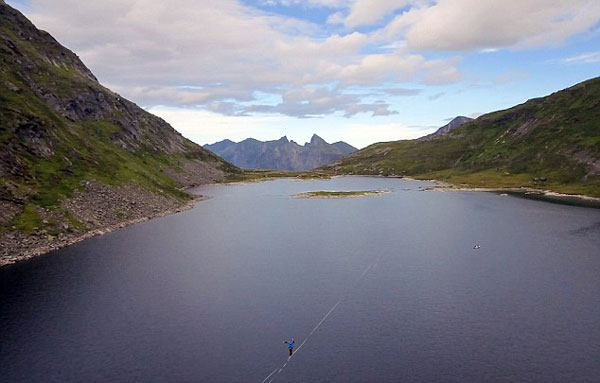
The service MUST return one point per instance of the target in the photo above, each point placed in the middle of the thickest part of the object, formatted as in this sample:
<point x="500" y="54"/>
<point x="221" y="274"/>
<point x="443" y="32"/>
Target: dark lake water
<point x="374" y="289"/>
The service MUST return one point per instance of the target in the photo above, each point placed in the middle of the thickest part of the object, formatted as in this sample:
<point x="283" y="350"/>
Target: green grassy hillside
<point x="551" y="143"/>
<point x="59" y="128"/>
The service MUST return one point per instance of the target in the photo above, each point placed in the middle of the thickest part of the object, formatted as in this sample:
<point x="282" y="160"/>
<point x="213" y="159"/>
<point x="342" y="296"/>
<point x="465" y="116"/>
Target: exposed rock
<point x="591" y="162"/>
<point x="195" y="173"/>
<point x="525" y="128"/>
<point x="8" y="210"/>
<point x="97" y="210"/>
<point x="455" y="123"/>
<point x="281" y="154"/>
<point x="61" y="129"/>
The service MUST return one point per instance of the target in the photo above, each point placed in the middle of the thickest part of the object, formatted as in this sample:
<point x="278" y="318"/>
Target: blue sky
<point x="361" y="71"/>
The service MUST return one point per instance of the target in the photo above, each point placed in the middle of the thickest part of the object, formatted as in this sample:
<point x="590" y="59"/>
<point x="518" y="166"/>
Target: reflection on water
<point x="385" y="288"/>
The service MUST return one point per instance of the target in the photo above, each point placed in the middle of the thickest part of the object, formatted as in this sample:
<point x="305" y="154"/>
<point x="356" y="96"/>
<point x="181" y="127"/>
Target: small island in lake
<point x="341" y="194"/>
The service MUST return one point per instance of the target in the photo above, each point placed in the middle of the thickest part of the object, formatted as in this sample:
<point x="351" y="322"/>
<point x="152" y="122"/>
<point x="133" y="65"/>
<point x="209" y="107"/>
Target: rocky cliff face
<point x="281" y="154"/>
<point x="61" y="131"/>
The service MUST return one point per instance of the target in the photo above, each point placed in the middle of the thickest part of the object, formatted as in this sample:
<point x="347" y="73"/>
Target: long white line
<point x="365" y="272"/>
<point x="298" y="349"/>
<point x="325" y="317"/>
<point x="276" y="371"/>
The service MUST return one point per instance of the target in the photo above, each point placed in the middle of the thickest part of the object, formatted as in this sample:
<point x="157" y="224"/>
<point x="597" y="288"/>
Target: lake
<point x="373" y="289"/>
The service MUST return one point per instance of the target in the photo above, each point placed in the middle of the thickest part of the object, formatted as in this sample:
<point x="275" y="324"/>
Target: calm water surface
<point x="374" y="289"/>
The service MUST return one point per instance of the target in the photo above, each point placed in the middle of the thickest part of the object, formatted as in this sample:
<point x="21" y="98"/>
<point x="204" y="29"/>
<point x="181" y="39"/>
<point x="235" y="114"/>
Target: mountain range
<point x="76" y="157"/>
<point x="281" y="154"/>
<point x="550" y="142"/>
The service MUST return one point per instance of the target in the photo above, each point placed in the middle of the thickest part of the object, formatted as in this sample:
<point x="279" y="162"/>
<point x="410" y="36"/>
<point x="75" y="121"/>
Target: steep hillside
<point x="455" y="123"/>
<point x="69" y="146"/>
<point x="281" y="154"/>
<point x="551" y="142"/>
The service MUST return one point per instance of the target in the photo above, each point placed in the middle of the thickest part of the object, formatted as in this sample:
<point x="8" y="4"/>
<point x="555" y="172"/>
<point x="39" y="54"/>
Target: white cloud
<point x="220" y="52"/>
<point x="456" y="25"/>
<point x="359" y="135"/>
<point x="399" y="91"/>
<point x="438" y="72"/>
<point x="434" y="97"/>
<point x="307" y="3"/>
<point x="315" y="102"/>
<point x="378" y="68"/>
<point x="336" y="18"/>
<point x="584" y="58"/>
<point x="367" y="12"/>
<point x="206" y="127"/>
<point x="222" y="55"/>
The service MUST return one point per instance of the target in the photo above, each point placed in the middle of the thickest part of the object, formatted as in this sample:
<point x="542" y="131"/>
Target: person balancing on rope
<point x="290" y="344"/>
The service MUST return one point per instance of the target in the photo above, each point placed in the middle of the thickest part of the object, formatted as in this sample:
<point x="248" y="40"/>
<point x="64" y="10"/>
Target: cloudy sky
<point x="361" y="71"/>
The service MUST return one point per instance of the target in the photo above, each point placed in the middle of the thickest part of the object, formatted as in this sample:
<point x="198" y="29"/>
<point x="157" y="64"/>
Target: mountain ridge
<point x="456" y="122"/>
<point x="550" y="142"/>
<point x="281" y="154"/>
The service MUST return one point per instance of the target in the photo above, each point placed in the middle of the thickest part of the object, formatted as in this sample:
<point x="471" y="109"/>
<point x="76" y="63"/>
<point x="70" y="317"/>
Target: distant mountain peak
<point x="317" y="140"/>
<point x="459" y="119"/>
<point x="549" y="142"/>
<point x="453" y="124"/>
<point x="281" y="154"/>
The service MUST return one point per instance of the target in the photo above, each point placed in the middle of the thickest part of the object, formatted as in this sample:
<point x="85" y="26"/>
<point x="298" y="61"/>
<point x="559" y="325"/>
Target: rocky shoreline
<point x="529" y="193"/>
<point x="101" y="209"/>
<point x="98" y="210"/>
<point x="523" y="192"/>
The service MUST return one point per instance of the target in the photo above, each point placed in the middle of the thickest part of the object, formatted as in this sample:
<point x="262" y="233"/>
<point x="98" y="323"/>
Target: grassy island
<point x="341" y="194"/>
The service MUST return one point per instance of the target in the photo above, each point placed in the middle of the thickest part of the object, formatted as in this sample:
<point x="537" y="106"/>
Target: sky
<point x="361" y="71"/>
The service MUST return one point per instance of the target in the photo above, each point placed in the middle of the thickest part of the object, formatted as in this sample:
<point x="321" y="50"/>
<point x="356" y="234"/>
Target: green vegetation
<point x="29" y="220"/>
<point x="261" y="175"/>
<point x="549" y="143"/>
<point x="341" y="194"/>
<point x="60" y="128"/>
<point x="75" y="223"/>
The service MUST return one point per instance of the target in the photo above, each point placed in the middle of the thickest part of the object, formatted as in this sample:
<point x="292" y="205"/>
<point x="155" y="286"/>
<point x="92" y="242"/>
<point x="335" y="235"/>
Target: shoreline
<point x="340" y="194"/>
<point x="60" y="243"/>
<point x="550" y="196"/>
<point x="528" y="193"/>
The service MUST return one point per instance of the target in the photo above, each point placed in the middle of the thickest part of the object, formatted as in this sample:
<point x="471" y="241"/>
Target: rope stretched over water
<point x="273" y="375"/>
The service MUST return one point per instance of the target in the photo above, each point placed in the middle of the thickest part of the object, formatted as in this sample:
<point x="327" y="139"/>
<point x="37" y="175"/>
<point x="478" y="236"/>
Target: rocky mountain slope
<point x="74" y="156"/>
<point x="551" y="143"/>
<point x="455" y="123"/>
<point x="280" y="154"/>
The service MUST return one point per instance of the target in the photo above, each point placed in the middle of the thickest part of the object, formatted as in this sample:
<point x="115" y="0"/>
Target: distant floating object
<point x="476" y="246"/>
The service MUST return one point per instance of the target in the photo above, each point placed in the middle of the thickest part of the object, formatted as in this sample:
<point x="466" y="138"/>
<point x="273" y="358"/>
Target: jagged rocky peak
<point x="281" y="154"/>
<point x="316" y="140"/>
